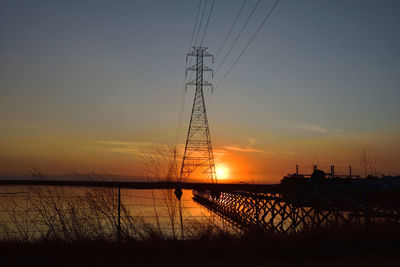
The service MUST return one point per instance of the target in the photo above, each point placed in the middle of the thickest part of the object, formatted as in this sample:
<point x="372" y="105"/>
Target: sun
<point x="222" y="172"/>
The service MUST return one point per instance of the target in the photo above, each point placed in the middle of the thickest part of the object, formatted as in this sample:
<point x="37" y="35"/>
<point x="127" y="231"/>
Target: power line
<point x="183" y="94"/>
<point x="195" y="42"/>
<point x="201" y="21"/>
<point x="237" y="37"/>
<point x="249" y="42"/>
<point x="194" y="30"/>
<point x="190" y="61"/>
<point x="208" y="21"/>
<point x="208" y="94"/>
<point x="197" y="36"/>
<point x="195" y="24"/>
<point x="231" y="28"/>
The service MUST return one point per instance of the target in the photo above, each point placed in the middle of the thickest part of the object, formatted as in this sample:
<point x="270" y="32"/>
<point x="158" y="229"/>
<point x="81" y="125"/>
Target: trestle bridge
<point x="273" y="207"/>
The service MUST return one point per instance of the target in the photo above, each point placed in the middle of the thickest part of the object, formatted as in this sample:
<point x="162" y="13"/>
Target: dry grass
<point x="81" y="229"/>
<point x="345" y="246"/>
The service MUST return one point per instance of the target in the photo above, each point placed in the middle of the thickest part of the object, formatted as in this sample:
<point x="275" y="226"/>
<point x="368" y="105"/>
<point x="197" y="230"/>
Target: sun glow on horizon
<point x="222" y="171"/>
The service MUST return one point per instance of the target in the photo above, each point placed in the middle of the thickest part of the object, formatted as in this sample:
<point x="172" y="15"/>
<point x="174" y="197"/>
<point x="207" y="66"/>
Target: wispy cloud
<point x="124" y="143"/>
<point x="219" y="154"/>
<point x="339" y="131"/>
<point x="132" y="148"/>
<point x="251" y="141"/>
<point x="311" y="127"/>
<point x="247" y="148"/>
<point x="287" y="152"/>
<point x="243" y="149"/>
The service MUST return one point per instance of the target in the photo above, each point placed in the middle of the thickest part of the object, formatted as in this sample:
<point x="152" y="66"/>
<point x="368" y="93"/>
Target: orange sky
<point x="248" y="160"/>
<point x="94" y="88"/>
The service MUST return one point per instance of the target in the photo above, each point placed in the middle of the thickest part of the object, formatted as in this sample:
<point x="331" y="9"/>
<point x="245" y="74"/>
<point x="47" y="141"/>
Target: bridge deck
<point x="309" y="195"/>
<point x="143" y="185"/>
<point x="270" y="206"/>
<point x="220" y="187"/>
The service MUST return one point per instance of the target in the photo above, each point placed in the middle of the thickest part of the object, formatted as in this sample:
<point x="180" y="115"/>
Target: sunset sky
<point x="91" y="86"/>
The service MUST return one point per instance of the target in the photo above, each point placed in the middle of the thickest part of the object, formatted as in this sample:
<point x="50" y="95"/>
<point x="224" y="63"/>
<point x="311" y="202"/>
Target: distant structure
<point x="198" y="156"/>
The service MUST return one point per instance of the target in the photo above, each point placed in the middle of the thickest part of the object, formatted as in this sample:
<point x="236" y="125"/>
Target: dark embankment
<point x="344" y="246"/>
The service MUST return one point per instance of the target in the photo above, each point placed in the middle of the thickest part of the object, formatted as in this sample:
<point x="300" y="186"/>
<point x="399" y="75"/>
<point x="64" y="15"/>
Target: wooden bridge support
<point x="278" y="213"/>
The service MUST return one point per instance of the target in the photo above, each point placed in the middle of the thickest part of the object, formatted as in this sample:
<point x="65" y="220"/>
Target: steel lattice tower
<point x="198" y="156"/>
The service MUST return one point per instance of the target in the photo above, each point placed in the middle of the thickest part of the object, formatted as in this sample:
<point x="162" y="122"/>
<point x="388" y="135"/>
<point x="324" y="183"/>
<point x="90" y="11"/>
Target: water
<point x="32" y="212"/>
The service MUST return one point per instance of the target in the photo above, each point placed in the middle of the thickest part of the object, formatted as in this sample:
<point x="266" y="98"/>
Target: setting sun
<point x="222" y="172"/>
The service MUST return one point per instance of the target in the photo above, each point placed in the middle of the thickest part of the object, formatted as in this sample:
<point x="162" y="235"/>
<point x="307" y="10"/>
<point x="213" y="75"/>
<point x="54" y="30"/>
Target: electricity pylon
<point x="198" y="156"/>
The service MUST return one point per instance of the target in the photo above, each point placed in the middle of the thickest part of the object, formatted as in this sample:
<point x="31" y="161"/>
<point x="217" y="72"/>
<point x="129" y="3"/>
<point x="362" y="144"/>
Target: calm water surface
<point x="20" y="208"/>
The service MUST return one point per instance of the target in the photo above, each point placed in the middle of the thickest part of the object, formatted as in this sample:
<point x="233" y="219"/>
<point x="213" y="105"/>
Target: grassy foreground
<point x="344" y="246"/>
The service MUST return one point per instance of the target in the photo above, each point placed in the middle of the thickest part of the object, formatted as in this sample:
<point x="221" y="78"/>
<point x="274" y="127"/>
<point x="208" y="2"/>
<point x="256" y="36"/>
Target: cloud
<point x="287" y="152"/>
<point x="218" y="154"/>
<point x="250" y="140"/>
<point x="123" y="143"/>
<point x="243" y="149"/>
<point x="311" y="128"/>
<point x="247" y="148"/>
<point x="339" y="131"/>
<point x="132" y="148"/>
